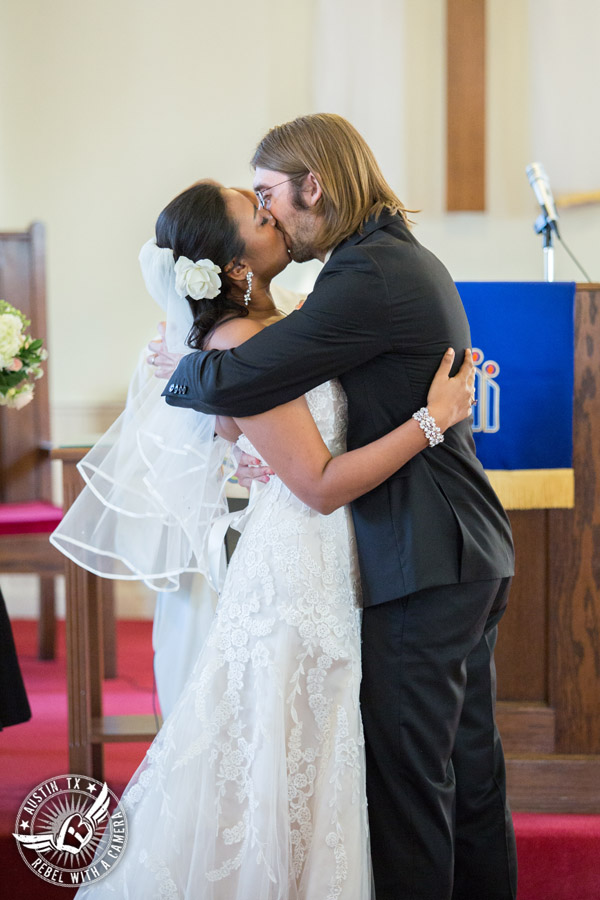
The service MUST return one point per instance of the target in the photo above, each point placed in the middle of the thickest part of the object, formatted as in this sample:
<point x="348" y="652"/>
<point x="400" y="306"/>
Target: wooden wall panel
<point x="522" y="649"/>
<point x="574" y="555"/>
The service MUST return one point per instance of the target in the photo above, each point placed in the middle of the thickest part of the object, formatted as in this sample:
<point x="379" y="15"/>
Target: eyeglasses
<point x="264" y="201"/>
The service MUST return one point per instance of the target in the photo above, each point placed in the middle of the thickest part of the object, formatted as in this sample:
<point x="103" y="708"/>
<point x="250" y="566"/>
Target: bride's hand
<point x="160" y="356"/>
<point x="450" y="399"/>
<point x="250" y="469"/>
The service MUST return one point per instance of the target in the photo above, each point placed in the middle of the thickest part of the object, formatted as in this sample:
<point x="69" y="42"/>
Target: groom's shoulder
<point x="387" y="257"/>
<point x="387" y="235"/>
<point x="367" y="260"/>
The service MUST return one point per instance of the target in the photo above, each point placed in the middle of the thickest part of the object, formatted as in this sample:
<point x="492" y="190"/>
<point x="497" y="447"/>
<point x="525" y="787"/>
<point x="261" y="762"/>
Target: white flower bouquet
<point x="20" y="358"/>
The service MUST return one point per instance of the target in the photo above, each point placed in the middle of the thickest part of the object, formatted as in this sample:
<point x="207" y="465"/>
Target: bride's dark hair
<point x="197" y="224"/>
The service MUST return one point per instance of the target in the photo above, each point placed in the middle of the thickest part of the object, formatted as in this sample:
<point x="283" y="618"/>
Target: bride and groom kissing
<point x="257" y="785"/>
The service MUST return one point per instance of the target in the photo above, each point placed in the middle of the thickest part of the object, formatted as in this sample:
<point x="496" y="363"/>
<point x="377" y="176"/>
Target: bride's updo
<point x="197" y="224"/>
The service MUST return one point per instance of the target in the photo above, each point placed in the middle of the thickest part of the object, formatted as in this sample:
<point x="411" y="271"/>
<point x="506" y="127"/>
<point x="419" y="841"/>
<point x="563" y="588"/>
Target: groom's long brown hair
<point x="352" y="183"/>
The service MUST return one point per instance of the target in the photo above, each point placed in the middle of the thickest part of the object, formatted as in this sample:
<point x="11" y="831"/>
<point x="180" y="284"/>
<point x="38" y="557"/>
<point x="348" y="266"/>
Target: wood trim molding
<point x="556" y="784"/>
<point x="526" y="727"/>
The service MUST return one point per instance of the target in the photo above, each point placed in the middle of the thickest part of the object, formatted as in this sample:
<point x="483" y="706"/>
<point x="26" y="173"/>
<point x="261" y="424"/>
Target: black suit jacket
<point x="383" y="311"/>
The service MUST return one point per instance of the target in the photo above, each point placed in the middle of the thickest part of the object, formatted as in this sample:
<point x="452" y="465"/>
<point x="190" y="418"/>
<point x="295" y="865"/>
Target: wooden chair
<point x="27" y="515"/>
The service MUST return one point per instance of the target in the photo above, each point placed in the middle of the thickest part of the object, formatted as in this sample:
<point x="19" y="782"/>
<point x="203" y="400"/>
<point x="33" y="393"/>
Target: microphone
<point x="543" y="193"/>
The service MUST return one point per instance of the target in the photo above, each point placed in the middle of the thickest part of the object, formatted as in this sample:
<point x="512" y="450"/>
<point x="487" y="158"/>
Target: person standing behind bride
<point x="255" y="785"/>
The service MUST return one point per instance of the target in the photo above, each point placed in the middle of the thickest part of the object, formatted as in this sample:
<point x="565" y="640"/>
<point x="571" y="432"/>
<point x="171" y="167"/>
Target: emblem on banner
<point x="486" y="415"/>
<point x="71" y="830"/>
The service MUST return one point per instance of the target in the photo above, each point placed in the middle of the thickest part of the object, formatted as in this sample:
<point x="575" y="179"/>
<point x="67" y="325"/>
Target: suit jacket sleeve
<point x="343" y="323"/>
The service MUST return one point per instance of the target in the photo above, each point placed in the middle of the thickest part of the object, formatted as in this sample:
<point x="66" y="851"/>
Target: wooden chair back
<point x="25" y="475"/>
<point x="25" y="434"/>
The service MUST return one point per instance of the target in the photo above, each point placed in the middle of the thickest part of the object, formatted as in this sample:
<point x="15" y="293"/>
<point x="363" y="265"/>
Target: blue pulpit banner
<point x="523" y="343"/>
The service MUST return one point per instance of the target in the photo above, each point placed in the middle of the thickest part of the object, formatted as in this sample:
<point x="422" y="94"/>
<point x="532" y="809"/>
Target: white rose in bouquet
<point x="11" y="338"/>
<point x="22" y="397"/>
<point x="198" y="280"/>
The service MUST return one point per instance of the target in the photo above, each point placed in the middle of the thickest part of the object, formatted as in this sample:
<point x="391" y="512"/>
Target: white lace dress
<point x="254" y="789"/>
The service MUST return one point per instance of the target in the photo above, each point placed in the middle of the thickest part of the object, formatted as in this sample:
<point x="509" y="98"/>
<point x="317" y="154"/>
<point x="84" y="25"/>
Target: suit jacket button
<point x="171" y="388"/>
<point x="184" y="389"/>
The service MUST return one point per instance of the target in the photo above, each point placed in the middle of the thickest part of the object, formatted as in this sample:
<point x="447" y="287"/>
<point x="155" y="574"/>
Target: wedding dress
<point x="123" y="524"/>
<point x="254" y="789"/>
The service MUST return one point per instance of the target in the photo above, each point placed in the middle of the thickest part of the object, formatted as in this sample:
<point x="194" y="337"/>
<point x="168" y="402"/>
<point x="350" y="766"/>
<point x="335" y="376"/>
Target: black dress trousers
<point x="440" y="825"/>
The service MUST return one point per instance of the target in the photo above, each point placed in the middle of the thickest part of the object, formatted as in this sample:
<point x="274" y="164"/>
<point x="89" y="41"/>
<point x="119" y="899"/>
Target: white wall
<point x="541" y="106"/>
<point x="107" y="109"/>
<point x="540" y="80"/>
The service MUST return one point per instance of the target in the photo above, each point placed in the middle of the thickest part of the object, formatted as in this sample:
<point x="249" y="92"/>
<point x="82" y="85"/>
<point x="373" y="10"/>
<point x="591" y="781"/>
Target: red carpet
<point x="559" y="856"/>
<point x="38" y="749"/>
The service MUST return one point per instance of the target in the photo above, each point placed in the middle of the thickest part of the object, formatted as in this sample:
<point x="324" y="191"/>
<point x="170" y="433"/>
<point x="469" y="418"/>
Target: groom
<point x="434" y="543"/>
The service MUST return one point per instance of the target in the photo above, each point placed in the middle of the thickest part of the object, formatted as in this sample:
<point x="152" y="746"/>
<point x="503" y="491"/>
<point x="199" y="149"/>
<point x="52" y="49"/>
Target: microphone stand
<point x="546" y="223"/>
<point x="545" y="226"/>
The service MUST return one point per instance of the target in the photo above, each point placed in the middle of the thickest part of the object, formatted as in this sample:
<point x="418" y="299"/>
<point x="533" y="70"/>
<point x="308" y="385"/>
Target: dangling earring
<point x="248" y="294"/>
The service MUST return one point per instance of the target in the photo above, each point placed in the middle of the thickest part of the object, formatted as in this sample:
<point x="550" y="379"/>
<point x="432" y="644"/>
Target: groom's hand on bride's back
<point x="160" y="357"/>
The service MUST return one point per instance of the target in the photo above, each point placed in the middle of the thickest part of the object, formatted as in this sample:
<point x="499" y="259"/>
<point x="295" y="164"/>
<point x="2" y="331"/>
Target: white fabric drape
<point x="563" y="41"/>
<point x="359" y="74"/>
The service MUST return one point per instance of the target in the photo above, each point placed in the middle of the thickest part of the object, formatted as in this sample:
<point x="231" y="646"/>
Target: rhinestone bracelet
<point x="427" y="423"/>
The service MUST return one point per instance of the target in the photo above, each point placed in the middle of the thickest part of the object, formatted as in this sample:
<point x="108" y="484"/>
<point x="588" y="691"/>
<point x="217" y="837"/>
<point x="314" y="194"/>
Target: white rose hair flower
<point x="198" y="280"/>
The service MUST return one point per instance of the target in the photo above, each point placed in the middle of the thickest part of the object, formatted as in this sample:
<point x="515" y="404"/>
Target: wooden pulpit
<point x="548" y="652"/>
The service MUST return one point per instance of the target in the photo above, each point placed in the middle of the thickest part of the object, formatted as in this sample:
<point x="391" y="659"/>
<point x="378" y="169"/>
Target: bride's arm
<point x="288" y="439"/>
<point x="224" y="337"/>
<point x="227" y="428"/>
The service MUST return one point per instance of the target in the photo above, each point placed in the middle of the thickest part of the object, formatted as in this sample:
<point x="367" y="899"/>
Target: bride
<point x="254" y="789"/>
